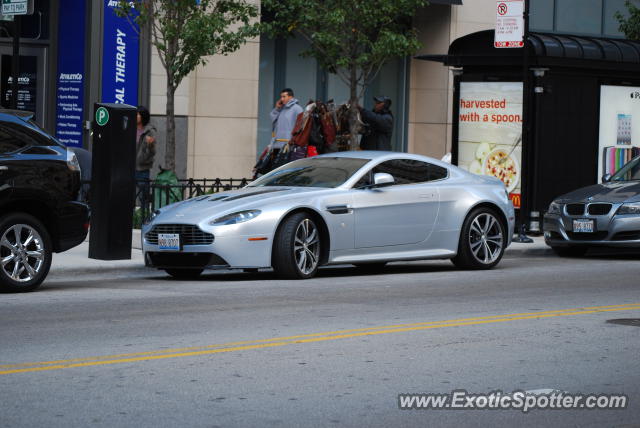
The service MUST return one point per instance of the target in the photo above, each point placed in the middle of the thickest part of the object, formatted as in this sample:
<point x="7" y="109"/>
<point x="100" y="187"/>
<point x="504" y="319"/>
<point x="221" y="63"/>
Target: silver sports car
<point x="363" y="208"/>
<point x="606" y="214"/>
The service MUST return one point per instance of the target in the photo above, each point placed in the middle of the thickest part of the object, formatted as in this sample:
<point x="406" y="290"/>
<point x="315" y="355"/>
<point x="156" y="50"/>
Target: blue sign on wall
<point x="70" y="78"/>
<point x="119" y="58"/>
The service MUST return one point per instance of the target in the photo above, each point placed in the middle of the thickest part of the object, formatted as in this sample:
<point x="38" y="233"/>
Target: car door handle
<point x="427" y="195"/>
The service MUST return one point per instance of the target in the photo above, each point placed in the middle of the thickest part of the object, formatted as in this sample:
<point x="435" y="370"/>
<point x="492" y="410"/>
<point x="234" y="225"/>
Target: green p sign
<point x="102" y="116"/>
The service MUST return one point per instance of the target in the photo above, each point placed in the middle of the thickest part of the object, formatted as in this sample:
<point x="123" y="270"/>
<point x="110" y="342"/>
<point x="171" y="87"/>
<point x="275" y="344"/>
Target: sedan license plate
<point x="169" y="241"/>
<point x="583" y="226"/>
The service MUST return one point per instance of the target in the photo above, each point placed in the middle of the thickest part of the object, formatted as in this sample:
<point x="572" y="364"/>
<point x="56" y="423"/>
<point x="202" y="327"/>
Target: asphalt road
<point x="252" y="350"/>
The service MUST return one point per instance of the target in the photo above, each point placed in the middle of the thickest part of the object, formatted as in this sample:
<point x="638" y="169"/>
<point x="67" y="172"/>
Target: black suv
<point x="39" y="208"/>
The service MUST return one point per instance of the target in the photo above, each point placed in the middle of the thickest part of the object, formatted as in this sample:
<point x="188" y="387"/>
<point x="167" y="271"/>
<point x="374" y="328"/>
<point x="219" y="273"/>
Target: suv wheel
<point x="25" y="252"/>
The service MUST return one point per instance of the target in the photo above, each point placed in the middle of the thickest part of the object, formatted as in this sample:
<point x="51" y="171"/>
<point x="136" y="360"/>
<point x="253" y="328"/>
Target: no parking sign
<point x="509" y="24"/>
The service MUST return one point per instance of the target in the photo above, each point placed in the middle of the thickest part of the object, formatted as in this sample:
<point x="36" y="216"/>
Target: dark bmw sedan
<point x="606" y="214"/>
<point x="39" y="209"/>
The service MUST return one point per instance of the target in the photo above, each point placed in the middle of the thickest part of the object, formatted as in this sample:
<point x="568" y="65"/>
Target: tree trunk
<point x="170" y="146"/>
<point x="354" y="125"/>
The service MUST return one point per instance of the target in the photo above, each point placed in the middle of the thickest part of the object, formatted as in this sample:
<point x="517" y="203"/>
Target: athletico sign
<point x="509" y="24"/>
<point x="120" y="58"/>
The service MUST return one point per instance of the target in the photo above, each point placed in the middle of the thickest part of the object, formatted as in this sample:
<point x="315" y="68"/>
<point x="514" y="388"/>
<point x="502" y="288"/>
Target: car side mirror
<point x="606" y="178"/>
<point x="381" y="179"/>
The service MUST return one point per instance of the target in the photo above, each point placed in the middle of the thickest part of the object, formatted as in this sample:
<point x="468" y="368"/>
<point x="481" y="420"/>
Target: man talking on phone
<point x="283" y="118"/>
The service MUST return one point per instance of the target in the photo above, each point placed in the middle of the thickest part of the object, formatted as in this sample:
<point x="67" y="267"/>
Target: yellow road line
<point x="305" y="338"/>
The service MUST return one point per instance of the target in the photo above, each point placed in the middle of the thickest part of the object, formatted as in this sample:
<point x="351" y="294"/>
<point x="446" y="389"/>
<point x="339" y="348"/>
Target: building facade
<point x="77" y="52"/>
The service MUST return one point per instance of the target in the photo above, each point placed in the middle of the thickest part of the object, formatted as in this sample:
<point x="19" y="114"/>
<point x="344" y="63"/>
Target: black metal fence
<point x="151" y="195"/>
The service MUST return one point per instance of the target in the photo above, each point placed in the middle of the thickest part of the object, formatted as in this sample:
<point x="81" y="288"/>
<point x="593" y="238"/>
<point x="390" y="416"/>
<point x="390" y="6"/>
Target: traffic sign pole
<point x="526" y="133"/>
<point x="15" y="61"/>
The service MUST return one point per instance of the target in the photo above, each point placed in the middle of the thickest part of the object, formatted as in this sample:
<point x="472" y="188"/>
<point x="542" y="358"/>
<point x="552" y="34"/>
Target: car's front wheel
<point x="482" y="240"/>
<point x="296" y="250"/>
<point x="25" y="252"/>
<point x="184" y="273"/>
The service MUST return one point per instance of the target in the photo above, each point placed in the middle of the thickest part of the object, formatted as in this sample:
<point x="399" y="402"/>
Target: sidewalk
<point x="76" y="261"/>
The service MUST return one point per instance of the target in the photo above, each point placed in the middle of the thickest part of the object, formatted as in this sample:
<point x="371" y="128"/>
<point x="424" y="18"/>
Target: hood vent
<point x="246" y="195"/>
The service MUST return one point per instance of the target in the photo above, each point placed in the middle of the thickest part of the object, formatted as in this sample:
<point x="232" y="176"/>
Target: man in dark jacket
<point x="378" y="125"/>
<point x="145" y="152"/>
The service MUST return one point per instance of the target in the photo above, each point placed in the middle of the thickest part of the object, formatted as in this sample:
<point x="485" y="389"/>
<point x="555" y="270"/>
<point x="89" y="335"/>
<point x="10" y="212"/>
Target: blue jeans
<point x="142" y="188"/>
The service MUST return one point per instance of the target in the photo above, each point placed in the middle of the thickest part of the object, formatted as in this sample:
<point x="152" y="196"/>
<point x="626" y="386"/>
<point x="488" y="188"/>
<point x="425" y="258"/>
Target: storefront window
<point x="282" y="66"/>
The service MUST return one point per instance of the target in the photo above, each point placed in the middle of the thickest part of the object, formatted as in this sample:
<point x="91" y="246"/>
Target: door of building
<point x="31" y="80"/>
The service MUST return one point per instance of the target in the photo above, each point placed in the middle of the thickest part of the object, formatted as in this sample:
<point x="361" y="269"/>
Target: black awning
<point x="445" y="1"/>
<point x="545" y="49"/>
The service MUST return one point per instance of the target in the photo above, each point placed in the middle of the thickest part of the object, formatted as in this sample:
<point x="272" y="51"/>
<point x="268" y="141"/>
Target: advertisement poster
<point x="70" y="78"/>
<point x="619" y="127"/>
<point x="490" y="132"/>
<point x="27" y="83"/>
<point x="120" y="58"/>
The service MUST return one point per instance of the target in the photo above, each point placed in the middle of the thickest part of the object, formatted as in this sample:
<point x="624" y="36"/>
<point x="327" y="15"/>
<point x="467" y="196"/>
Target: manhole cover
<point x="635" y="322"/>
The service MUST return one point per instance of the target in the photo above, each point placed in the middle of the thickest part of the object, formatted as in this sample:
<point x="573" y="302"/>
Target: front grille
<point x="597" y="236"/>
<point x="189" y="234"/>
<point x="630" y="235"/>
<point x="184" y="260"/>
<point x="599" y="209"/>
<point x="575" y="209"/>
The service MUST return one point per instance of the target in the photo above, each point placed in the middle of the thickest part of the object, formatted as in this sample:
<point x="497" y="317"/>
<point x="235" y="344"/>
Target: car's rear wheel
<point x="482" y="240"/>
<point x="25" y="252"/>
<point x="570" y="251"/>
<point x="184" y="273"/>
<point x="296" y="250"/>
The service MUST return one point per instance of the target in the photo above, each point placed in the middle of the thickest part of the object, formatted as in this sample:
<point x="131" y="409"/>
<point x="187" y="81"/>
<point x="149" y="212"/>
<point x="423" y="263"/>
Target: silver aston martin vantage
<point x="362" y="208"/>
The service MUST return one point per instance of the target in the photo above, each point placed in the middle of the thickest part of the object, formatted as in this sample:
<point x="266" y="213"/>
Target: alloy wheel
<point x="486" y="238"/>
<point x="22" y="253"/>
<point x="306" y="246"/>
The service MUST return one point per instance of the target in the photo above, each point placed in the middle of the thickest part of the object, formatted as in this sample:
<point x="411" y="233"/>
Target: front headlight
<point x="554" y="208"/>
<point x="152" y="216"/>
<point x="629" y="208"/>
<point x="235" y="218"/>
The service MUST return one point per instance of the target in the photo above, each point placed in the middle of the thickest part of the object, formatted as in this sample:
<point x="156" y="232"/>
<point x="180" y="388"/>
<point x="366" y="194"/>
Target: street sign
<point x="102" y="116"/>
<point x="509" y="24"/>
<point x="17" y="7"/>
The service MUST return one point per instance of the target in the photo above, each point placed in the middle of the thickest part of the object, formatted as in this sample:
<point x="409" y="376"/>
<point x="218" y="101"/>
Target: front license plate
<point x="169" y="241"/>
<point x="583" y="226"/>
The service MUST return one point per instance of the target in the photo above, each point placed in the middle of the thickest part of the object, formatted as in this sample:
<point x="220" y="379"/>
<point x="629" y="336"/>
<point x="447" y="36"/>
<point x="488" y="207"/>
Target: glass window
<point x="579" y="16"/>
<point x="300" y="73"/>
<point x="629" y="172"/>
<point x="312" y="172"/>
<point x="406" y="171"/>
<point x="541" y="15"/>
<point x="611" y="24"/>
<point x="10" y="141"/>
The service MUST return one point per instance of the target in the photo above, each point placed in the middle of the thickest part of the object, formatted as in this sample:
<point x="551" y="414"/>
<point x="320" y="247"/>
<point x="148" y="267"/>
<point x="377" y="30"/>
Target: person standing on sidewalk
<point x="283" y="120"/>
<point x="145" y="152"/>
<point x="378" y="125"/>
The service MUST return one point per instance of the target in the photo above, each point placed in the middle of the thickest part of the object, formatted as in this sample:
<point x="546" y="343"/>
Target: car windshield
<point x="312" y="172"/>
<point x="629" y="172"/>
